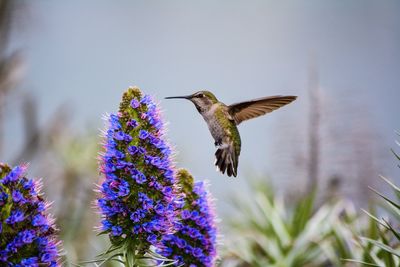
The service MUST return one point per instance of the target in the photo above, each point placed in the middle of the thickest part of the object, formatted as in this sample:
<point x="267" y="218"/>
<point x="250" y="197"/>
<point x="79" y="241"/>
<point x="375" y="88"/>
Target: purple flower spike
<point x="194" y="244"/>
<point x="136" y="157"/>
<point x="27" y="235"/>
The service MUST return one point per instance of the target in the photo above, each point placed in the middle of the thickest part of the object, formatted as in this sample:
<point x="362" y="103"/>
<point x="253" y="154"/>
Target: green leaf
<point x="382" y="246"/>
<point x="376" y="219"/>
<point x="361" y="262"/>
<point x="390" y="183"/>
<point x="395" y="154"/>
<point x="388" y="256"/>
<point x="385" y="198"/>
<point x="302" y="213"/>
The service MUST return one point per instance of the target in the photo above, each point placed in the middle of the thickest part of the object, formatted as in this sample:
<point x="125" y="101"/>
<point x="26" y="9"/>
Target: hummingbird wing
<point x="251" y="109"/>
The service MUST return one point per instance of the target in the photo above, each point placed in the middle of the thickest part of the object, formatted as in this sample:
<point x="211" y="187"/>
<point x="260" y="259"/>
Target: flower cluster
<point x="27" y="234"/>
<point x="194" y="244"/>
<point x="138" y="199"/>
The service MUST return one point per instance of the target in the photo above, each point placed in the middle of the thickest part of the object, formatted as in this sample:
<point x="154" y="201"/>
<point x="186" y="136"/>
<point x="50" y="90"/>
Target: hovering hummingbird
<point x="222" y="121"/>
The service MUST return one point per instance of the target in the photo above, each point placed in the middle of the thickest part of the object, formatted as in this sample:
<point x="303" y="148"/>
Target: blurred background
<point x="63" y="64"/>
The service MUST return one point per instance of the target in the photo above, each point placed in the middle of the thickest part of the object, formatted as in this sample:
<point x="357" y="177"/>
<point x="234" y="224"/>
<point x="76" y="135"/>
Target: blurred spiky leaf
<point x="382" y="247"/>
<point x="269" y="233"/>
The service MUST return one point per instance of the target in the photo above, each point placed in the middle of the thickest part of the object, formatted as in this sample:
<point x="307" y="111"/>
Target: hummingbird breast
<point x="217" y="131"/>
<point x="218" y="123"/>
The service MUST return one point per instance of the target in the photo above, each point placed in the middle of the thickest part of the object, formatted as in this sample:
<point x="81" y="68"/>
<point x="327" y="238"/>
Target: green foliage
<point x="382" y="246"/>
<point x="70" y="174"/>
<point x="270" y="233"/>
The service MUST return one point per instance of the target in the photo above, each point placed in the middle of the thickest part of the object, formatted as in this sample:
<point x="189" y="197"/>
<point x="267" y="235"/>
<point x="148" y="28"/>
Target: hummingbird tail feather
<point x="226" y="160"/>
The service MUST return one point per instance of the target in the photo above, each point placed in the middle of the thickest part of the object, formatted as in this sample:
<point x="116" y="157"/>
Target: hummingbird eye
<point x="200" y="95"/>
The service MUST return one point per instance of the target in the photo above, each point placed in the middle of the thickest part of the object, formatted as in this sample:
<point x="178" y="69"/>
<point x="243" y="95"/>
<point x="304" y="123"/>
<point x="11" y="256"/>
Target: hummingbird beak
<point x="184" y="97"/>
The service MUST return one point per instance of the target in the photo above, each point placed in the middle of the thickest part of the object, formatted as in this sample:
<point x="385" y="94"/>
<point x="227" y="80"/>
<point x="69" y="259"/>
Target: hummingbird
<point x="222" y="121"/>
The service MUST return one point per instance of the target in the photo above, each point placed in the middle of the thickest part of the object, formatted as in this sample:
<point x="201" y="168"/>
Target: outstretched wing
<point x="257" y="107"/>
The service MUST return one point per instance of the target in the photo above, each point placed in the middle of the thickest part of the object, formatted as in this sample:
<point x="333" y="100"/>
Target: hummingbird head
<point x="203" y="100"/>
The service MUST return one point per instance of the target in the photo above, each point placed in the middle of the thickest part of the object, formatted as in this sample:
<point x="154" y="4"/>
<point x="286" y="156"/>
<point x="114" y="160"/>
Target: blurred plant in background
<point x="381" y="243"/>
<point x="270" y="233"/>
<point x="304" y="233"/>
<point x="10" y="62"/>
<point x="332" y="148"/>
<point x="67" y="158"/>
<point x="70" y="167"/>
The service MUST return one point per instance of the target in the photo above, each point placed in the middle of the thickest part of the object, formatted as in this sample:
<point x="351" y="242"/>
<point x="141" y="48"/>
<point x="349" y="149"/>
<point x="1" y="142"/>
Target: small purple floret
<point x="135" y="103"/>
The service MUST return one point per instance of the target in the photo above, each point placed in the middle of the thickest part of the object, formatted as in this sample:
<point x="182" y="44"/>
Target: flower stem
<point x="132" y="251"/>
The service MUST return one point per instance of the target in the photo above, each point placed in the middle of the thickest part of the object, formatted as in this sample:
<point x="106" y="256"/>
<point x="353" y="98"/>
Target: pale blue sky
<point x="86" y="53"/>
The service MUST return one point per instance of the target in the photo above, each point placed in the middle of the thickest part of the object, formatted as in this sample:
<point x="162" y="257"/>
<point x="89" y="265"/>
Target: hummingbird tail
<point x="227" y="160"/>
